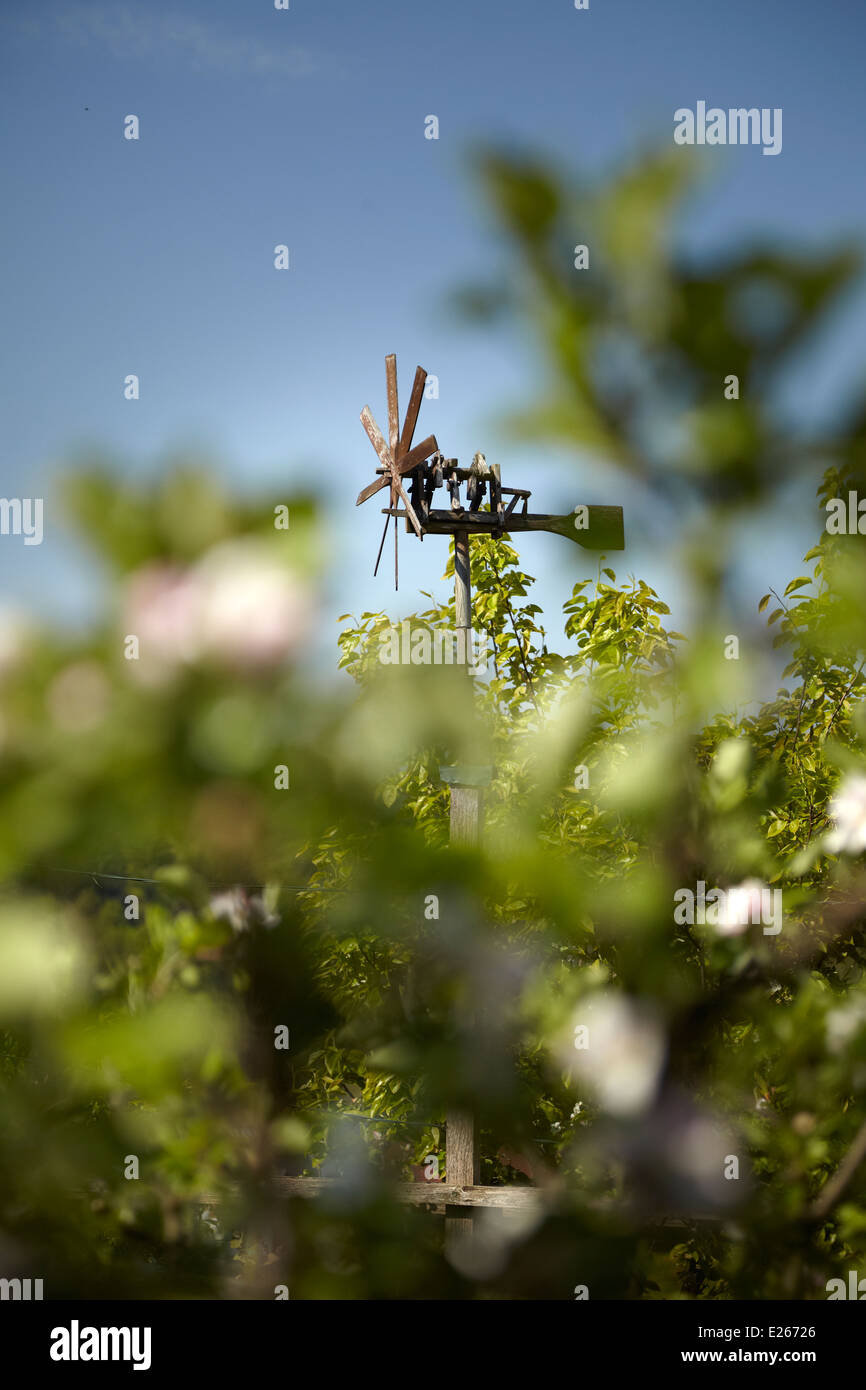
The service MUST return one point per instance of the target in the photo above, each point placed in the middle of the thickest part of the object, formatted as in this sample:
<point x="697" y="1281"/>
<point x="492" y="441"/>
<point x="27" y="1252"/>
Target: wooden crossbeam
<point x="421" y="1194"/>
<point x="444" y="1194"/>
<point x="604" y="532"/>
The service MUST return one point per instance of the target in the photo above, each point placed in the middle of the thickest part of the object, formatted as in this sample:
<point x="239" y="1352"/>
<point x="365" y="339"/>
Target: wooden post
<point x="462" y="1167"/>
<point x="462" y="596"/>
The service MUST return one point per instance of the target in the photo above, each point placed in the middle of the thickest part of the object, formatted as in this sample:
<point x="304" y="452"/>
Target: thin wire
<point x="375" y="1119"/>
<point x="137" y="878"/>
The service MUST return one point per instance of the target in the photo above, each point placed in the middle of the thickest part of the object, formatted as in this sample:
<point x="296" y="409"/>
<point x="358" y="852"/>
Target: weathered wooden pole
<point x="462" y="594"/>
<point x="462" y="1164"/>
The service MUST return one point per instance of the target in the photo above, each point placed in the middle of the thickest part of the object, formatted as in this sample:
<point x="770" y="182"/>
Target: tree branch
<point x="835" y="1186"/>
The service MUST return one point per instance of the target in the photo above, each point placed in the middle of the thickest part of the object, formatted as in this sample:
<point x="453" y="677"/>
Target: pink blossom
<point x="238" y="606"/>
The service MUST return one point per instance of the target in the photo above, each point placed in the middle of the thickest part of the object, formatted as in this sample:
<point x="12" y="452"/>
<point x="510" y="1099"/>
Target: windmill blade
<point x="393" y="445"/>
<point x="375" y="436"/>
<point x="409" y="461"/>
<point x="396" y="456"/>
<point x="393" y="407"/>
<point x="412" y="413"/>
<point x="410" y="510"/>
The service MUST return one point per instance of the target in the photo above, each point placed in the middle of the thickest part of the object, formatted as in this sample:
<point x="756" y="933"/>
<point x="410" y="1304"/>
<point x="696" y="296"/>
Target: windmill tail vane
<point x="426" y="470"/>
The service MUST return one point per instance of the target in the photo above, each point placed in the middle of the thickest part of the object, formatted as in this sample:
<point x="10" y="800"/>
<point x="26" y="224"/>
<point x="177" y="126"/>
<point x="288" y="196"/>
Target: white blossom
<point x="242" y="909"/>
<point x="625" y="1053"/>
<point x="739" y="906"/>
<point x="847" y="811"/>
<point x="254" y="612"/>
<point x="843" y="1024"/>
<point x="232" y="906"/>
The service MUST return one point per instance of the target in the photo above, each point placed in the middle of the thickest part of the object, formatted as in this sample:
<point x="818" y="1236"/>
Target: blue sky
<point x="306" y="127"/>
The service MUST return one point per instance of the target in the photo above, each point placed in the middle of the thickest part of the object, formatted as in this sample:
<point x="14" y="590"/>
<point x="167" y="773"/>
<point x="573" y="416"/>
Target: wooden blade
<point x="410" y="510"/>
<point x="393" y="407"/>
<point x="372" y="488"/>
<point x="412" y="413"/>
<point x="392" y="477"/>
<point x="417" y="455"/>
<point x="376" y="438"/>
<point x="409" y="461"/>
<point x="604" y="529"/>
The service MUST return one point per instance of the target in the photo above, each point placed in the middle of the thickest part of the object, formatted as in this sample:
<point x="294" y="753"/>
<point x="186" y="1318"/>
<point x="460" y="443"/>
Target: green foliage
<point x="630" y="763"/>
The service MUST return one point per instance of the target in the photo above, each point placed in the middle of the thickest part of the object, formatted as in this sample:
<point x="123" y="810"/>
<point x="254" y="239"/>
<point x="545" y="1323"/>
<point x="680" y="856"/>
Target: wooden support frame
<point x="434" y="1194"/>
<point x="446" y="1197"/>
<point x="604" y="531"/>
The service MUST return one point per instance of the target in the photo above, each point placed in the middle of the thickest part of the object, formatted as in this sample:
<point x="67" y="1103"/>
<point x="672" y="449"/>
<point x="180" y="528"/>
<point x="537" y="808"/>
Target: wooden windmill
<point x="423" y="466"/>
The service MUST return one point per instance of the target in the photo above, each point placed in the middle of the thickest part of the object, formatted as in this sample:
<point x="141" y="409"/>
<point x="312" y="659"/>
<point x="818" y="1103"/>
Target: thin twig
<point x="844" y="697"/>
<point x="510" y="612"/>
<point x="835" y="1186"/>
